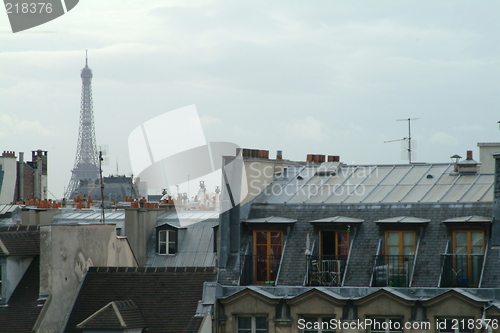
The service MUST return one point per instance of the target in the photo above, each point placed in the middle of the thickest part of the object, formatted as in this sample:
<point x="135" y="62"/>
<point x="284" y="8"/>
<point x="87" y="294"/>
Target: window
<point x="400" y="242"/>
<point x="454" y="325"/>
<point x="469" y="250"/>
<point x="268" y="246"/>
<point x="334" y="243"/>
<point x="167" y="242"/>
<point x="468" y="242"/>
<point x="386" y="325"/>
<point x="216" y="238"/>
<point x="247" y="324"/>
<point x="317" y="325"/>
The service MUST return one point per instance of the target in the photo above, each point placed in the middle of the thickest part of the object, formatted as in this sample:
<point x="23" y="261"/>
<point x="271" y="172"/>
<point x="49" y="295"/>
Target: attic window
<point x="167" y="242"/>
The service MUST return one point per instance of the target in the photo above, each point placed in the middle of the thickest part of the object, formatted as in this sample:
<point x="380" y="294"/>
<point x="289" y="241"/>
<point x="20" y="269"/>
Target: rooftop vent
<point x="467" y="166"/>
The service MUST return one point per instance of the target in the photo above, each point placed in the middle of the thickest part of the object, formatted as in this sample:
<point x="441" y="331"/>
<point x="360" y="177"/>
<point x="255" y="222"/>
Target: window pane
<point x="312" y="321"/>
<point x="394" y="250"/>
<point x="395" y="325"/>
<point x="172" y="249"/>
<point x="393" y="238"/>
<point x="461" y="238"/>
<point x="276" y="238"/>
<point x="326" y="321"/>
<point x="408" y="250"/>
<point x="377" y="325"/>
<point x="448" y="326"/>
<point x="477" y="238"/>
<point x="276" y="250"/>
<point x="162" y="248"/>
<point x="477" y="250"/>
<point x="244" y="323"/>
<point x="261" y="237"/>
<point x="343" y="238"/>
<point x="461" y="250"/>
<point x="261" y="322"/>
<point x="162" y="235"/>
<point x="343" y="250"/>
<point x="409" y="238"/>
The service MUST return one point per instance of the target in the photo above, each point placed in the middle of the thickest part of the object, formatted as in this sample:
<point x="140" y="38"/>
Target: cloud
<point x="443" y="138"/>
<point x="308" y="129"/>
<point x="10" y="125"/>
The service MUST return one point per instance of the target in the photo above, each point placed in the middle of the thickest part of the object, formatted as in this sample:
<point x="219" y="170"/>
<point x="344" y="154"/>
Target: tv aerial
<point x="408" y="144"/>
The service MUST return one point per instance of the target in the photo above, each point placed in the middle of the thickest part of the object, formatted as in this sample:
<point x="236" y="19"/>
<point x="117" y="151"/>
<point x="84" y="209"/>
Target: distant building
<point x="116" y="188"/>
<point x="324" y="240"/>
<point x="20" y="180"/>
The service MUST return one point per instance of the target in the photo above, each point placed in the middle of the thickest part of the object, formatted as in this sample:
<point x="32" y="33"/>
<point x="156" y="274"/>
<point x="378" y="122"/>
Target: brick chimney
<point x="468" y="166"/>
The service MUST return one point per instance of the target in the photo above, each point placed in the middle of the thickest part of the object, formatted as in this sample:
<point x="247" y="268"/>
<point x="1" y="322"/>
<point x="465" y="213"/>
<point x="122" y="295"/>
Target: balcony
<point x="259" y="269"/>
<point x="461" y="270"/>
<point x="392" y="270"/>
<point x="325" y="270"/>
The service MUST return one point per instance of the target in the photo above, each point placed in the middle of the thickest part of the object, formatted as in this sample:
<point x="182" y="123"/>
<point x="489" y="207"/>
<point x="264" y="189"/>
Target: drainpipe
<point x="495" y="231"/>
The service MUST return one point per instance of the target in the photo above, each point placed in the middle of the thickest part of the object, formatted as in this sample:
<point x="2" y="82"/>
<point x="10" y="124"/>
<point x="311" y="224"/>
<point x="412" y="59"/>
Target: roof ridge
<point x="148" y="269"/>
<point x="118" y="314"/>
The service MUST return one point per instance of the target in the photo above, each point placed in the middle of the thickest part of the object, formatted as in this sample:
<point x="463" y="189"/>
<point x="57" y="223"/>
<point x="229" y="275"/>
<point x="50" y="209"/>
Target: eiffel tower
<point x="86" y="161"/>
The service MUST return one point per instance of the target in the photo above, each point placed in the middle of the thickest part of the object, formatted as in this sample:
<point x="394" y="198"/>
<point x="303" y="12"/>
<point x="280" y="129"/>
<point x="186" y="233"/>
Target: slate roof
<point x="167" y="297"/>
<point x="433" y="238"/>
<point x="196" y="243"/>
<point x="23" y="309"/>
<point x="21" y="241"/>
<point x="114" y="316"/>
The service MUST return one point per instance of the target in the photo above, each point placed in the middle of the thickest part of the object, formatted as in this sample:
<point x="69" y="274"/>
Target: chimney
<point x="20" y="178"/>
<point x="468" y="166"/>
<point x="279" y="155"/>
<point x="229" y="219"/>
<point x="495" y="231"/>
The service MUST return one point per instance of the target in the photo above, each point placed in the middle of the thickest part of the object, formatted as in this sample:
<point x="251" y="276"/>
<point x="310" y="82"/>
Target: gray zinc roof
<point x="351" y="184"/>
<point x="338" y="219"/>
<point x="195" y="240"/>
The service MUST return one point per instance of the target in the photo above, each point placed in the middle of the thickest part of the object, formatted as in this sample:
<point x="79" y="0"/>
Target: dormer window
<point x="167" y="242"/>
<point x="394" y="262"/>
<point x="463" y="262"/>
<point x="262" y="267"/>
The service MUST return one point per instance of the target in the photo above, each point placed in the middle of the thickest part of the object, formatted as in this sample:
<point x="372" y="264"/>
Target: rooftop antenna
<point x="86" y="60"/>
<point x="102" y="186"/>
<point x="410" y="149"/>
<point x="103" y="160"/>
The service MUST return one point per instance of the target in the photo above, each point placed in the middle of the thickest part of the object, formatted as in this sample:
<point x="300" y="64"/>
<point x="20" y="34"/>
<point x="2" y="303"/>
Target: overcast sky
<point x="305" y="77"/>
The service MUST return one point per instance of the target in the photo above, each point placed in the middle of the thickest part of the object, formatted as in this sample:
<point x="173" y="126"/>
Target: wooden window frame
<point x="401" y="240"/>
<point x="469" y="240"/>
<point x="336" y="241"/>
<point x="268" y="250"/>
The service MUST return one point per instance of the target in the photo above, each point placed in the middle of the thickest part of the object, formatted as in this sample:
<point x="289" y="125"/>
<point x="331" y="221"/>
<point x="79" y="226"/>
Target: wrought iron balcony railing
<point x="259" y="269"/>
<point x="461" y="270"/>
<point x="392" y="270"/>
<point x="325" y="270"/>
